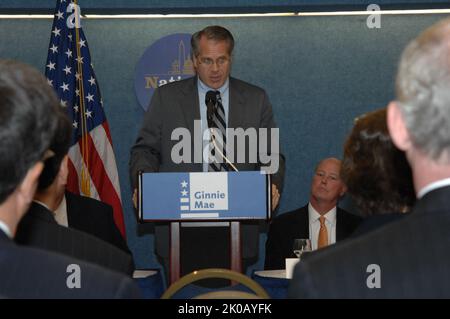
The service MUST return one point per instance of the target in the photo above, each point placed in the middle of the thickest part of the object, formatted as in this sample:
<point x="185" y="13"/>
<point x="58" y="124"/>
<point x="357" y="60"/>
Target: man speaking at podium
<point x="177" y="105"/>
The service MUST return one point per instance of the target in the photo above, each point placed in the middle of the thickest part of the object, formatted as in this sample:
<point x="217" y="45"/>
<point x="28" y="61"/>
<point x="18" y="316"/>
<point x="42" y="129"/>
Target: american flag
<point x="92" y="164"/>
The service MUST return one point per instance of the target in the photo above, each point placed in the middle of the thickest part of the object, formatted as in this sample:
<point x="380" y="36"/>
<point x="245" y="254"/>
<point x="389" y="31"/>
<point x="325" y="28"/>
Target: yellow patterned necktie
<point x="323" y="233"/>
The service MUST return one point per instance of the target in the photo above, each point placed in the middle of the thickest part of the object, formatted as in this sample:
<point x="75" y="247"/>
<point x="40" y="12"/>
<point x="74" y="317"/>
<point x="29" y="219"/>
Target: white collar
<point x="432" y="186"/>
<point x="206" y="88"/>
<point x="5" y="229"/>
<point x="314" y="216"/>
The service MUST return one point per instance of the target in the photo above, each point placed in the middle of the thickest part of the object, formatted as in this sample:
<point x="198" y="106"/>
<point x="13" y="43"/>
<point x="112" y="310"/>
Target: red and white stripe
<point x="102" y="170"/>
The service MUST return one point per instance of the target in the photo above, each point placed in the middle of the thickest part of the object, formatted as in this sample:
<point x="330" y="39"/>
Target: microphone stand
<point x="216" y="148"/>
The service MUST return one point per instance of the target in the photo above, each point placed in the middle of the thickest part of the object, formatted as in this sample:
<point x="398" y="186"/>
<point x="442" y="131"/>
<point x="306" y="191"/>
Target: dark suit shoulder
<point x="349" y="217"/>
<point x="94" y="206"/>
<point x="43" y="274"/>
<point x="182" y="85"/>
<point x="245" y="86"/>
<point x="291" y="216"/>
<point x="51" y="236"/>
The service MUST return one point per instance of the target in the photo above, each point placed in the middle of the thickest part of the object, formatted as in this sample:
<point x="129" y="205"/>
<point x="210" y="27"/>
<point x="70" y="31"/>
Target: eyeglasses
<point x="208" y="62"/>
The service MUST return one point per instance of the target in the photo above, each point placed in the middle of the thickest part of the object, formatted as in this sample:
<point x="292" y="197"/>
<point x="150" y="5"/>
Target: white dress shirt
<point x="5" y="229"/>
<point x="61" y="213"/>
<point x="432" y="186"/>
<point x="314" y="225"/>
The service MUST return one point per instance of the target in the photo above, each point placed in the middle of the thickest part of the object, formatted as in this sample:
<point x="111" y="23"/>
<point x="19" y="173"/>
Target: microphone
<point x="210" y="101"/>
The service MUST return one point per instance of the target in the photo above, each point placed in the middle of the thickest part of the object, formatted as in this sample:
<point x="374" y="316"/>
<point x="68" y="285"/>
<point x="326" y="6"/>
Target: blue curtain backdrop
<point x="320" y="73"/>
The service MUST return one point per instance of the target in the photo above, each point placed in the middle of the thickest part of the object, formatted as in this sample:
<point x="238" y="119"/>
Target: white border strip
<point x="200" y="215"/>
<point x="178" y="16"/>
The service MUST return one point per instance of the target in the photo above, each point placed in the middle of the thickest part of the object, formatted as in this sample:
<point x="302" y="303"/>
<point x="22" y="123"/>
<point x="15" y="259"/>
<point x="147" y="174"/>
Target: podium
<point x="207" y="199"/>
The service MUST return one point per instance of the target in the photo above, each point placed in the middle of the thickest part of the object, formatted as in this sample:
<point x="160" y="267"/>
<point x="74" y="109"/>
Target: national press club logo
<point x="166" y="60"/>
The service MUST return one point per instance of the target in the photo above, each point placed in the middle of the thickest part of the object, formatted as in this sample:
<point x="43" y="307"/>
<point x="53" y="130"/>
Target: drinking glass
<point x="300" y="246"/>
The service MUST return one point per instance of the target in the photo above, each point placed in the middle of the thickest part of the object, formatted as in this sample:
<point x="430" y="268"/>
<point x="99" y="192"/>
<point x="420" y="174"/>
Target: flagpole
<point x="85" y="181"/>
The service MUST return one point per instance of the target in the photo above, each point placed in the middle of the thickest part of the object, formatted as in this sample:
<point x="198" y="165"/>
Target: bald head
<point x="334" y="160"/>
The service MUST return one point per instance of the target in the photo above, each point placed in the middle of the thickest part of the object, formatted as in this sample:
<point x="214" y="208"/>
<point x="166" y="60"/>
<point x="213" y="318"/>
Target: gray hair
<point x="214" y="32"/>
<point x="423" y="91"/>
<point x="28" y="108"/>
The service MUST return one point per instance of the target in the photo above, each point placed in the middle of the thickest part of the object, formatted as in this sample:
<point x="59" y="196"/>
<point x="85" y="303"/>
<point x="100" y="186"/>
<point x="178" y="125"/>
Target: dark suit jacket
<point x="412" y="253"/>
<point x="374" y="222"/>
<point x="176" y="105"/>
<point x="27" y="272"/>
<point x="286" y="227"/>
<point x="38" y="228"/>
<point x="94" y="217"/>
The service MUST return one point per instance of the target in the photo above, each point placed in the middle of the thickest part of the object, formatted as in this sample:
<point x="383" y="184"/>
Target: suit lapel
<point x="40" y="212"/>
<point x="302" y="224"/>
<point x="190" y="104"/>
<point x="340" y="225"/>
<point x="236" y="105"/>
<point x="74" y="216"/>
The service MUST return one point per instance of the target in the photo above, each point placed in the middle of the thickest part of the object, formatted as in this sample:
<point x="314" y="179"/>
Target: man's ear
<point x="29" y="184"/>
<point x="195" y="62"/>
<point x="343" y="190"/>
<point x="397" y="127"/>
<point x="63" y="171"/>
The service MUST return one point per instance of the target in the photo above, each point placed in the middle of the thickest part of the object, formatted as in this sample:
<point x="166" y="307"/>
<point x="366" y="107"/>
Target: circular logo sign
<point x="167" y="60"/>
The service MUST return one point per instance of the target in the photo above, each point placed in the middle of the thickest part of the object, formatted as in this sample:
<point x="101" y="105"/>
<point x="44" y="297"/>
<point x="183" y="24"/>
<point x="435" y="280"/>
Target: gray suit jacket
<point x="177" y="105"/>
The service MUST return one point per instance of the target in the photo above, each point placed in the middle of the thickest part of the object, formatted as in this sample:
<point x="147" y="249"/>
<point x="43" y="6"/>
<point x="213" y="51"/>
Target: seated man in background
<point x="39" y="228"/>
<point x="408" y="258"/>
<point x="28" y="117"/>
<point x="321" y="220"/>
<point x="70" y="210"/>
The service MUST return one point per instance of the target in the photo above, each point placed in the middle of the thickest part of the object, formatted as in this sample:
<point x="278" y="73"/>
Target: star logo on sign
<point x="90" y="97"/>
<point x="184" y="184"/>
<point x="54" y="48"/>
<point x="65" y="87"/>
<point x="183" y="193"/>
